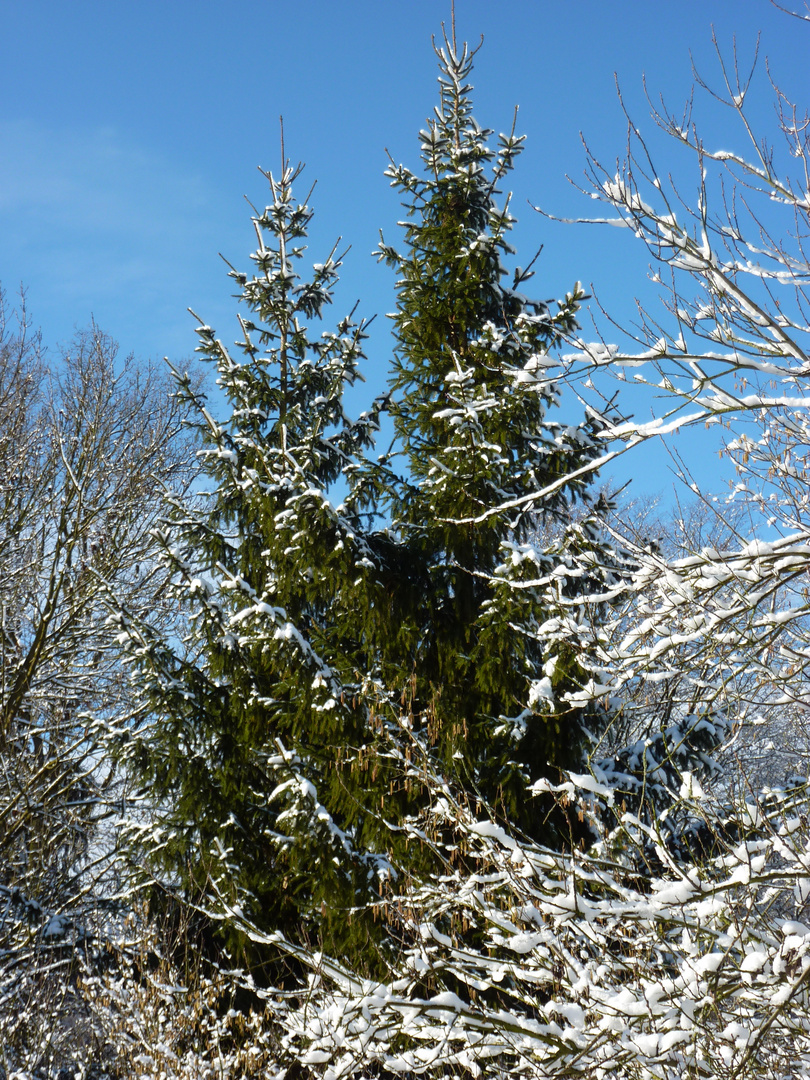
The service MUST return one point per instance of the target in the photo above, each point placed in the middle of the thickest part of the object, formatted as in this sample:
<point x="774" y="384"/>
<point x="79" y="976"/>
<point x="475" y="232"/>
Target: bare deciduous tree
<point x="87" y="441"/>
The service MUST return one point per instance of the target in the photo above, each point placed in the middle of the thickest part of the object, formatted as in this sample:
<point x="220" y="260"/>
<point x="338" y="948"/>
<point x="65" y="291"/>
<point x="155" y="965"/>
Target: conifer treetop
<point x="473" y="374"/>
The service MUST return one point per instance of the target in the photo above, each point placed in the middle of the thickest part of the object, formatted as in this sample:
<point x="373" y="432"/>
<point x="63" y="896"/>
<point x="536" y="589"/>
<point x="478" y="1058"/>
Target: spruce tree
<point x="473" y="380"/>
<point x="238" y="733"/>
<point x="340" y="657"/>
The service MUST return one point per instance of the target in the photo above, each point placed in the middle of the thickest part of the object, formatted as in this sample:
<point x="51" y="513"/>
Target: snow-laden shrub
<point x="521" y="961"/>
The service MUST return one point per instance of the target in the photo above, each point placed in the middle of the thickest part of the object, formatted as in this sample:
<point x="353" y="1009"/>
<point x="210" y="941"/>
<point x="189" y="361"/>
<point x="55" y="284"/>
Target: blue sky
<point x="130" y="131"/>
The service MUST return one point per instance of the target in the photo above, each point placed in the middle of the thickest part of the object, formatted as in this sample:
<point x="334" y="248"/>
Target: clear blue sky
<point x="129" y="132"/>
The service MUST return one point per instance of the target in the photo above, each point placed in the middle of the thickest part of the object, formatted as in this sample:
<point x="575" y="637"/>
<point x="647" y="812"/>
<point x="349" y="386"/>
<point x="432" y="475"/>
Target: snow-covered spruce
<point x="358" y="622"/>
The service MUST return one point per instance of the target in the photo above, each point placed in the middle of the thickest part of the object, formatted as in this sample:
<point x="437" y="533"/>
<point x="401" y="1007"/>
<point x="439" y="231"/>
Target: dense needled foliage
<point x="473" y="382"/>
<point x="342" y="657"/>
<point x="240" y="735"/>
